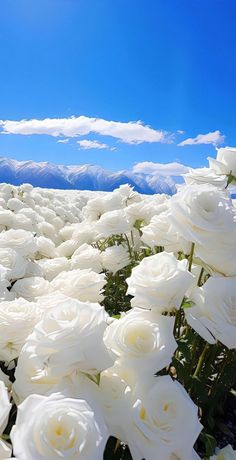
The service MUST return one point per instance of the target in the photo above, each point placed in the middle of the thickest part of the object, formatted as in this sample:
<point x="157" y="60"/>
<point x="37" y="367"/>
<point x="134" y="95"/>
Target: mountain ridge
<point x="81" y="177"/>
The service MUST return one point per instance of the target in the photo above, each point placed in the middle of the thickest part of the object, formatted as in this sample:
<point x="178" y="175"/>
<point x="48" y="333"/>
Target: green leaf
<point x="209" y="443"/>
<point x="187" y="304"/>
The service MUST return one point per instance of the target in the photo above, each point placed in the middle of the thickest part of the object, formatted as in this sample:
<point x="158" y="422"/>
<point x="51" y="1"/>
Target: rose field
<point x="118" y="321"/>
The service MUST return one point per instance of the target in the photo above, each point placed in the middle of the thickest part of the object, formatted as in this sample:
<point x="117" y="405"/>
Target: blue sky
<point x="170" y="64"/>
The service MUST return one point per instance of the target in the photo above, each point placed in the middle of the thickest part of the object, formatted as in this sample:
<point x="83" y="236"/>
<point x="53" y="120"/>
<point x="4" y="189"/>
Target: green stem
<point x="190" y="260"/>
<point x="177" y="323"/>
<point x="201" y="361"/>
<point x="128" y="244"/>
<point x="200" y="277"/>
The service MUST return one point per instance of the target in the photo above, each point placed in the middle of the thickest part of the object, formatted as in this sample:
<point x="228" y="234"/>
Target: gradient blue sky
<point x="169" y="63"/>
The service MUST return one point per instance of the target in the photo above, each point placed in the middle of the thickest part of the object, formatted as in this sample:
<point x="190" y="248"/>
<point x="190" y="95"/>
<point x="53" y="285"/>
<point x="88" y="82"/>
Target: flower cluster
<point x="118" y="320"/>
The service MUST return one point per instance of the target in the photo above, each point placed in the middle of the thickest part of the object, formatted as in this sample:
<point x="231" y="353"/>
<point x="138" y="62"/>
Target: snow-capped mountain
<point x="81" y="177"/>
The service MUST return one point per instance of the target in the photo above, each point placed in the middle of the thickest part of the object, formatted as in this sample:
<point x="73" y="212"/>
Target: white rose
<point x="127" y="193"/>
<point x="45" y="247"/>
<point x="84" y="233"/>
<point x="201" y="176"/>
<point x="160" y="418"/>
<point x="112" y="223"/>
<point x="160" y="232"/>
<point x="32" y="376"/>
<point x="47" y="230"/>
<point x="142" y="340"/>
<point x="115" y="258"/>
<point x="219" y="255"/>
<point x="84" y="285"/>
<point x="52" y="267"/>
<point x="58" y="428"/>
<point x="100" y="205"/>
<point x="21" y="241"/>
<point x="32" y="287"/>
<point x="51" y="300"/>
<point x="22" y="222"/>
<point x="67" y="336"/>
<point x="165" y="420"/>
<point x="227" y="453"/>
<point x="213" y="315"/>
<point x="5" y="450"/>
<point x="5" y="407"/>
<point x="17" y="320"/>
<point x="14" y="204"/>
<point x="146" y="209"/>
<point x="4" y="283"/>
<point x="67" y="231"/>
<point x="33" y="269"/>
<point x="201" y="214"/>
<point x="225" y="161"/>
<point x="6" y="218"/>
<point x="160" y="282"/>
<point x="12" y="260"/>
<point x="87" y="257"/>
<point x="67" y="248"/>
<point x="116" y="401"/>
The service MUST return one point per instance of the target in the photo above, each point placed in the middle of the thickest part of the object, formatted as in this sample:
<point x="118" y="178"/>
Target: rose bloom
<point x="219" y="255"/>
<point x="32" y="287"/>
<point x="15" y="263"/>
<point x="45" y="248"/>
<point x="5" y="407"/>
<point x="33" y="269"/>
<point x="32" y="376"/>
<point x="146" y="209"/>
<point x="112" y="223"/>
<point x="213" y="315"/>
<point x="17" y="320"/>
<point x="114" y="258"/>
<point x="142" y="339"/>
<point x="5" y="450"/>
<point x="67" y="336"/>
<point x="6" y="218"/>
<point x="84" y="285"/>
<point x="67" y="248"/>
<point x="159" y="282"/>
<point x="160" y="418"/>
<point x="165" y="420"/>
<point x="227" y="453"/>
<point x="87" y="257"/>
<point x="225" y="162"/>
<point x="58" y="427"/>
<point x="100" y="205"/>
<point x="52" y="267"/>
<point x="200" y="176"/>
<point x="127" y="194"/>
<point x="21" y="241"/>
<point x="51" y="300"/>
<point x="84" y="233"/>
<point x="160" y="232"/>
<point x="201" y="214"/>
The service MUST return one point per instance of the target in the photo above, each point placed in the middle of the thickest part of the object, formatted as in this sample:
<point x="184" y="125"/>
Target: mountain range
<point x="81" y="177"/>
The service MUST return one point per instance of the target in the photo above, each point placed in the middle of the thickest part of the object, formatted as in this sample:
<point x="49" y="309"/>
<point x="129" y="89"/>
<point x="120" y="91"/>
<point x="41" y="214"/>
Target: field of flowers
<point x="118" y="320"/>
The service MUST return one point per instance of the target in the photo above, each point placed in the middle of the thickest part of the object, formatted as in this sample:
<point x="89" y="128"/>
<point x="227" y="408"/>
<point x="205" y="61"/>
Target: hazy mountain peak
<point x="81" y="177"/>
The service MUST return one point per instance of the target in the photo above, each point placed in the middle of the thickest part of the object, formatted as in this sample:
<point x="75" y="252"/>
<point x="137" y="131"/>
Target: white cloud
<point x="214" y="138"/>
<point x="132" y="132"/>
<point x="168" y="169"/>
<point x="63" y="141"/>
<point x="87" y="144"/>
<point x="180" y="131"/>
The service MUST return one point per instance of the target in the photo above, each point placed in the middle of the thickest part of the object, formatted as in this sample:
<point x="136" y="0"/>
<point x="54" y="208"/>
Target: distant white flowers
<point x="77" y="373"/>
